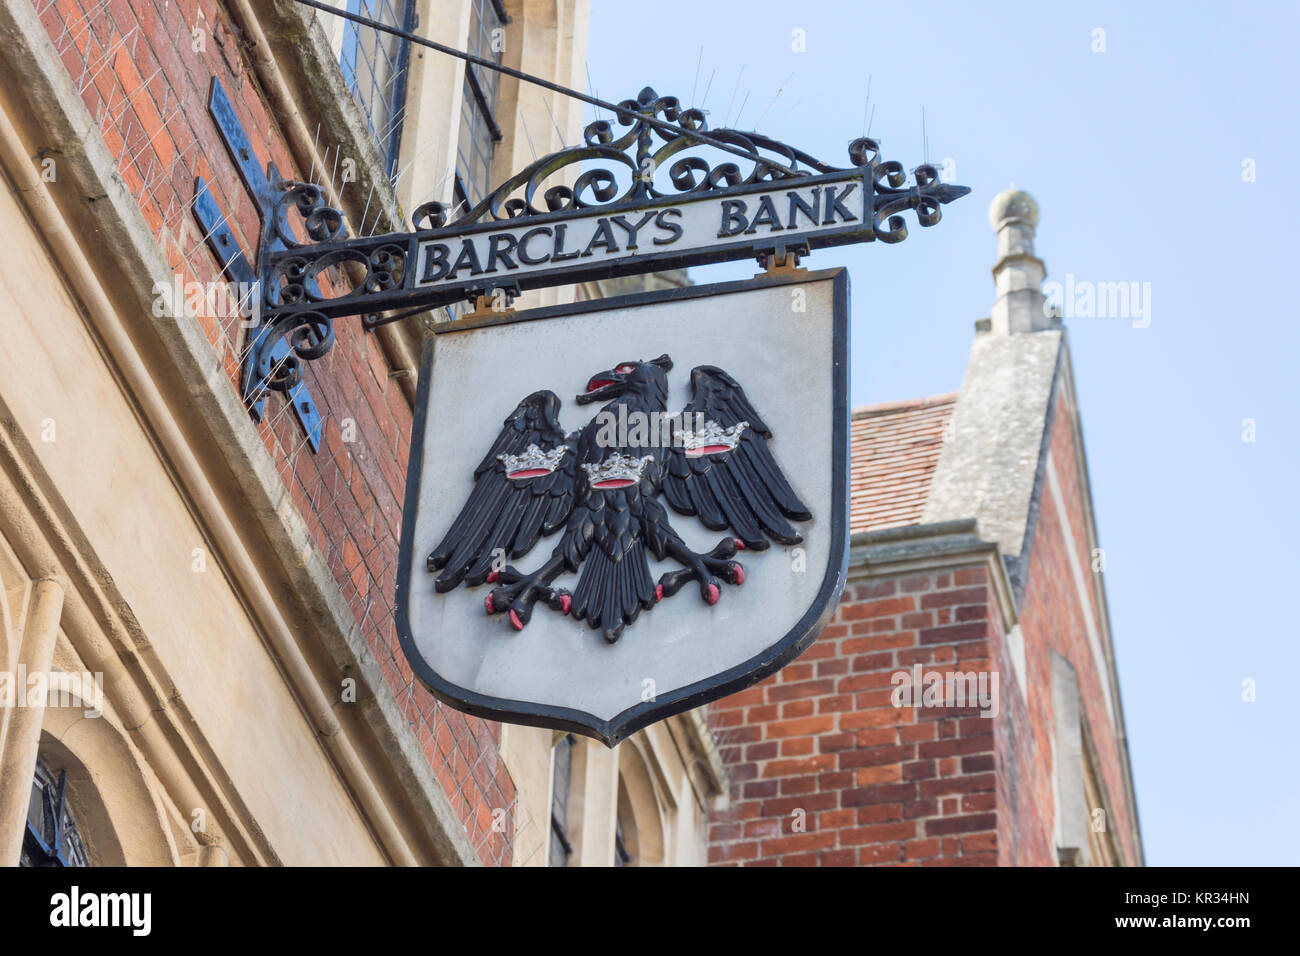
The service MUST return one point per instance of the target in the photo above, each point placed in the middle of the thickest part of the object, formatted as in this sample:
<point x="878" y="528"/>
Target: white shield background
<point x="784" y="339"/>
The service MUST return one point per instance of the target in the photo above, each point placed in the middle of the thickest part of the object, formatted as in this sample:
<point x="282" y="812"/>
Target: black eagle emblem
<point x="601" y="485"/>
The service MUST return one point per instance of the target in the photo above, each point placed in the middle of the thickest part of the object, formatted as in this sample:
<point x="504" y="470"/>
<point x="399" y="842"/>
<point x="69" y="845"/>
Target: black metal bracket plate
<point x="265" y="193"/>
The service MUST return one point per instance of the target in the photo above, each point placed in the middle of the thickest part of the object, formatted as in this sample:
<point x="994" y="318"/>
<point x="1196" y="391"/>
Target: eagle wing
<point x="727" y="476"/>
<point x="523" y="489"/>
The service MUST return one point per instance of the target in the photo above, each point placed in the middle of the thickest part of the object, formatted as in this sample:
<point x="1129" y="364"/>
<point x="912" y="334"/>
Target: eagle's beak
<point x="604" y="384"/>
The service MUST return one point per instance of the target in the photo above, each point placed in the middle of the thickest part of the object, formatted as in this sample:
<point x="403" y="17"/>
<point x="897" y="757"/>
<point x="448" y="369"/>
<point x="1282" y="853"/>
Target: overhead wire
<point x="656" y="122"/>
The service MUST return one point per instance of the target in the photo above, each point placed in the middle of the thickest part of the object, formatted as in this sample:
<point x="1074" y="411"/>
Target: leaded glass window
<point x="479" y="130"/>
<point x="375" y="66"/>
<point x="560" y="846"/>
<point x="52" y="837"/>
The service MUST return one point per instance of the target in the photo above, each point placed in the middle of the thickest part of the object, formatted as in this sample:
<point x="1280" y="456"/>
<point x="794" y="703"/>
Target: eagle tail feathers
<point x="611" y="592"/>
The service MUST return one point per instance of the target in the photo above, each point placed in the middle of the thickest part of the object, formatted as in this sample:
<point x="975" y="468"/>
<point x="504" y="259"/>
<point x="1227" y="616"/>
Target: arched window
<point x="639" y="828"/>
<point x="52" y="838"/>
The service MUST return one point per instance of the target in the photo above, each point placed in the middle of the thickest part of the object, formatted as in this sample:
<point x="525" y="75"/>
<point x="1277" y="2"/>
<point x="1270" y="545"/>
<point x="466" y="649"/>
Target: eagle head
<point x="626" y="376"/>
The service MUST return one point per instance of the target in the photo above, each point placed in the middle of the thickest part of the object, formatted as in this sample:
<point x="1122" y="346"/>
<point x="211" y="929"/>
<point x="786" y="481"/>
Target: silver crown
<point x="617" y="467"/>
<point x="532" y="462"/>
<point x="712" y="436"/>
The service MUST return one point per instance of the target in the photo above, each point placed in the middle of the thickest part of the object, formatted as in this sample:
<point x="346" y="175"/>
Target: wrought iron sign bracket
<point x="636" y="206"/>
<point x="265" y="191"/>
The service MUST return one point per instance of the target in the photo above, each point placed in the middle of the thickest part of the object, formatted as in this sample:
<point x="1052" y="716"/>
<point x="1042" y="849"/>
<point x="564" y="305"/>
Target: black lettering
<point x="468" y="258"/>
<point x="835" y="204"/>
<point x="435" y="255"/>
<point x="766" y="216"/>
<point x="559" y="256"/>
<point x="734" y="221"/>
<point x="797" y="205"/>
<point x="631" y="230"/>
<point x="603" y="236"/>
<point x="674" y="231"/>
<point x="524" y="256"/>
<point x="494" y="252"/>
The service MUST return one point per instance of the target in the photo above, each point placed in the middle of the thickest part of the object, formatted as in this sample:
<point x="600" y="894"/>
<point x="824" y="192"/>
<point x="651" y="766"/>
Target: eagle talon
<point x="726" y="548"/>
<point x="521" y="612"/>
<point x="558" y="599"/>
<point x="517" y="593"/>
<point x="709" y="569"/>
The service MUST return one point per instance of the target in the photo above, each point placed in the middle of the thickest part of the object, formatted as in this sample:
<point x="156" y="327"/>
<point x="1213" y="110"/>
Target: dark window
<point x="479" y="130"/>
<point x="560" y="846"/>
<point x="375" y="66"/>
<point x="52" y="838"/>
<point x="621" y="856"/>
<point x="624" y="828"/>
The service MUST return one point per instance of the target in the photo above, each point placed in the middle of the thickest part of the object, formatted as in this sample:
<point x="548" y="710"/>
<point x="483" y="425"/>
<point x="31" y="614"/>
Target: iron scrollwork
<point x="292" y="281"/>
<point x="635" y="150"/>
<point x="619" y="171"/>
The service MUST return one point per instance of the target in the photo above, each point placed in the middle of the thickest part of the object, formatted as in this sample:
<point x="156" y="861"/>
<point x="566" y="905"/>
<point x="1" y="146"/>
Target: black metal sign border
<point x="737" y="678"/>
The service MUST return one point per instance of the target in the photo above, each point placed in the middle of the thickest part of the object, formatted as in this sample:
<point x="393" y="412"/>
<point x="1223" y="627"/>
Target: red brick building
<point x="975" y="560"/>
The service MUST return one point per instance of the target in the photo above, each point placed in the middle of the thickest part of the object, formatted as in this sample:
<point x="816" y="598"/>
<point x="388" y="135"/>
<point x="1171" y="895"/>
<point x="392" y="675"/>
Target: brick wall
<point x="144" y="71"/>
<point x="1052" y="616"/>
<point x="1026" y="801"/>
<point x="821" y="744"/>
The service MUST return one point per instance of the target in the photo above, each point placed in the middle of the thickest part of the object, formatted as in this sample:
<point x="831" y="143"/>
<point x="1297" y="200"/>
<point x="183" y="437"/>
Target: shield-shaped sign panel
<point x="621" y="509"/>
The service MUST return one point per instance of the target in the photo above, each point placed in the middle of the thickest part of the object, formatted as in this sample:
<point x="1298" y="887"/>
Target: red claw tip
<point x="740" y="545"/>
<point x="517" y="624"/>
<point x="487" y="603"/>
<point x="714" y="594"/>
<point x="659" y="592"/>
<point x="566" y="602"/>
<point x="492" y="577"/>
<point x="738" y="574"/>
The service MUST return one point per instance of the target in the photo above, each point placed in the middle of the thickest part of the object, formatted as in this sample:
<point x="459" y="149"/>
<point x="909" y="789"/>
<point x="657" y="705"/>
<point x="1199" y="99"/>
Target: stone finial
<point x="1014" y="204"/>
<point x="1018" y="274"/>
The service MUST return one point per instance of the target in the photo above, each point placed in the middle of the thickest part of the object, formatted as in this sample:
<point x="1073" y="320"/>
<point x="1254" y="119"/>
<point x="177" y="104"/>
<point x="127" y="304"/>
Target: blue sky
<point x="1135" y="156"/>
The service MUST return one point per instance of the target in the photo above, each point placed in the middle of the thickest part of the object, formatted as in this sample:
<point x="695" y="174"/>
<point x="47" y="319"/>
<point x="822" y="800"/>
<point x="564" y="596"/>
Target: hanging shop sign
<point x="676" y="528"/>
<point x="673" y="529"/>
